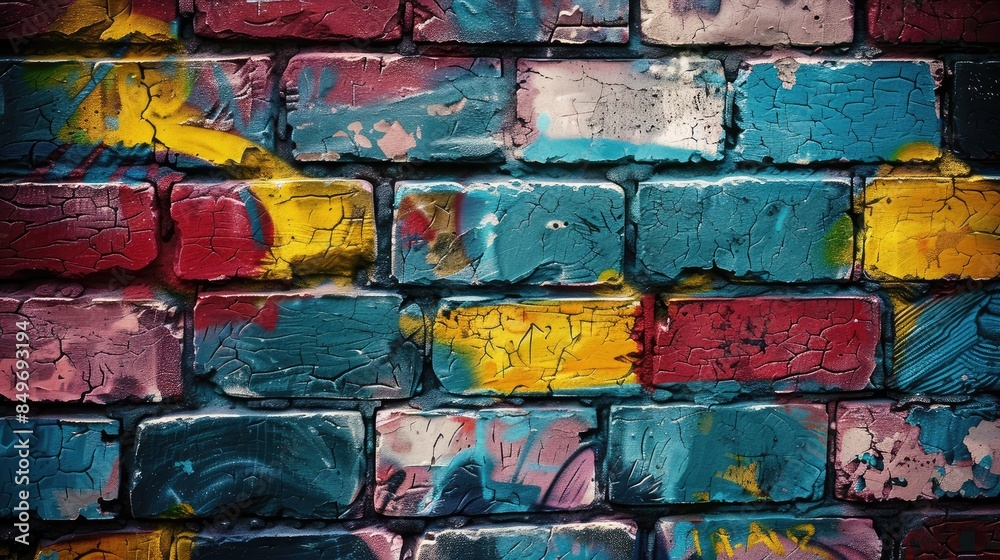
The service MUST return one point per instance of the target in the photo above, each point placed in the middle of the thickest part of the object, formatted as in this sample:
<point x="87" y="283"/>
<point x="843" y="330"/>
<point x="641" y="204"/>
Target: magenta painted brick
<point x="75" y="229"/>
<point x="922" y="452"/>
<point x="933" y="21"/>
<point x="593" y="540"/>
<point x="96" y="348"/>
<point x="321" y="20"/>
<point x="784" y="344"/>
<point x="446" y="462"/>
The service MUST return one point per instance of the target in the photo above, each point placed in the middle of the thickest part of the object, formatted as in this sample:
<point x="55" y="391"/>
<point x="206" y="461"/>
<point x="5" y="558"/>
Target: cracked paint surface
<point x="754" y="537"/>
<point x="932" y="21"/>
<point x="521" y="21"/>
<point x="804" y="110"/>
<point x="931" y="228"/>
<point x="772" y="229"/>
<point x="920" y="453"/>
<point x="369" y="543"/>
<point x="300" y="465"/>
<point x="954" y="537"/>
<point x="747" y="22"/>
<point x="394" y="108"/>
<point x="485" y="346"/>
<point x="617" y="110"/>
<point x="488" y="461"/>
<point x="309" y="345"/>
<point x="735" y="453"/>
<point x="139" y="543"/>
<point x="76" y="229"/>
<point x="96" y="348"/>
<point x="975" y="117"/>
<point x="947" y="343"/>
<point x="273" y="229"/>
<point x="186" y="112"/>
<point x="73" y="466"/>
<point x="324" y="20"/>
<point x="766" y="343"/>
<point x="133" y="21"/>
<point x="508" y="232"/>
<point x="595" y="540"/>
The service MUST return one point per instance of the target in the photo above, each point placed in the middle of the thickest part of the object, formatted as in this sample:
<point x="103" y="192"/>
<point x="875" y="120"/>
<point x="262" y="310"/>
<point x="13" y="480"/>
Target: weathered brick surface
<point x="301" y="465"/>
<point x="145" y="543"/>
<point x="486" y="346"/>
<point x="394" y="108"/>
<point x="449" y="462"/>
<point x="617" y="110"/>
<point x="931" y="21"/>
<point x="321" y="20"/>
<point x="964" y="536"/>
<point x="843" y="110"/>
<point x="71" y="468"/>
<point x="76" y="229"/>
<point x="273" y="229"/>
<point x="738" y="22"/>
<point x="309" y="344"/>
<point x="769" y="343"/>
<point x="931" y="228"/>
<point x="534" y="21"/>
<point x="134" y="21"/>
<point x="767" y="536"/>
<point x="597" y="540"/>
<point x="774" y="229"/>
<point x="363" y="544"/>
<point x="918" y="453"/>
<point x="736" y="453"/>
<point x="508" y="232"/>
<point x="975" y="116"/>
<point x="96" y="348"/>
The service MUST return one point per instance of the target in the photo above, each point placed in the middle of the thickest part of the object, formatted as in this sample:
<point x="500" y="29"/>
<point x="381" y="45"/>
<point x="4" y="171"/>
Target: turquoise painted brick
<point x="799" y="110"/>
<point x="737" y="453"/>
<point x="303" y="465"/>
<point x="72" y="466"/>
<point x="538" y="232"/>
<point x="767" y="228"/>
<point x="595" y="540"/>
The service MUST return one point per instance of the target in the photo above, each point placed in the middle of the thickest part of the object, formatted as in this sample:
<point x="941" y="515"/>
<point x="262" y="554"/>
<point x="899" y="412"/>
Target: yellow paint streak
<point x="767" y="537"/>
<point x="801" y="534"/>
<point x="108" y="20"/>
<point x="918" y="151"/>
<point x="720" y="539"/>
<point x="932" y="228"/>
<point x="319" y="226"/>
<point x="697" y="542"/>
<point x="165" y="542"/>
<point x="535" y="347"/>
<point x="743" y="474"/>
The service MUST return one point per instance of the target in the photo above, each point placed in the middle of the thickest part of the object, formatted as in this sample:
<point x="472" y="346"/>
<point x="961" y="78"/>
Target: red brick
<point x="942" y="537"/>
<point x="933" y="21"/>
<point x="374" y="20"/>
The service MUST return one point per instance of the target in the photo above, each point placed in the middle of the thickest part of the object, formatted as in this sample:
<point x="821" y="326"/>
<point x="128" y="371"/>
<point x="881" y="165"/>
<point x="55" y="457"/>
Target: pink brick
<point x="74" y="229"/>
<point x="321" y="20"/>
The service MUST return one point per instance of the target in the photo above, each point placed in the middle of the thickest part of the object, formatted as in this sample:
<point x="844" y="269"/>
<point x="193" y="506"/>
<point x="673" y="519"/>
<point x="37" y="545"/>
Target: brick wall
<point x="484" y="279"/>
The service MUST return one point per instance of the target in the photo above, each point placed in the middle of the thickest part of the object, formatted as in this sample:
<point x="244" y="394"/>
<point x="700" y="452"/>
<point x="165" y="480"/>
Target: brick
<point x="961" y="537"/>
<point x="273" y="229"/>
<point x="96" y="348"/>
<point x="538" y="232"/>
<point x="369" y="543"/>
<point x="736" y="22"/>
<point x="975" y="118"/>
<point x="946" y="342"/>
<point x="882" y="110"/>
<point x="765" y="343"/>
<point x="301" y="465"/>
<point x="539" y="347"/>
<point x="921" y="453"/>
<point x="320" y="20"/>
<point x="188" y="112"/>
<point x="931" y="228"/>
<point x="146" y="543"/>
<point x="737" y="453"/>
<point x="934" y="21"/>
<point x="617" y="110"/>
<point x="72" y="466"/>
<point x="394" y="108"/>
<point x="596" y="540"/>
<point x="75" y="229"/>
<point x="536" y="21"/>
<point x="487" y="461"/>
<point x="767" y="536"/>
<point x="309" y="344"/>
<point x="772" y="229"/>
<point x="132" y="21"/>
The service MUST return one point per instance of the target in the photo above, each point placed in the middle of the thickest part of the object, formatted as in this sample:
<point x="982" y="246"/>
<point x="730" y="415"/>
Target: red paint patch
<point x="943" y="538"/>
<point x="933" y="21"/>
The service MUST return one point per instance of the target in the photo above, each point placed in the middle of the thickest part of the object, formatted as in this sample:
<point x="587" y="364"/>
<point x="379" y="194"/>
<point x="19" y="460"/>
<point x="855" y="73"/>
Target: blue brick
<point x="804" y="110"/>
<point x="596" y="540"/>
<point x="284" y="544"/>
